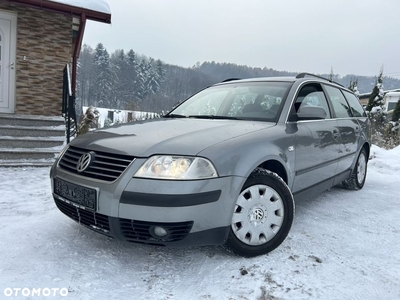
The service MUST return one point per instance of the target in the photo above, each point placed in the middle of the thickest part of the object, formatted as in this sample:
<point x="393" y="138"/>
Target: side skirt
<point x="322" y="186"/>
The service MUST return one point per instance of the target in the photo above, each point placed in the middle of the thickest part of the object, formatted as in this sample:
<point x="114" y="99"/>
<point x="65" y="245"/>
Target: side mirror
<point x="311" y="113"/>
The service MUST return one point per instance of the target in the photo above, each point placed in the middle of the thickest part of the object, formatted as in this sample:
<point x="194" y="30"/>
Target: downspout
<point x="77" y="51"/>
<point x="71" y="101"/>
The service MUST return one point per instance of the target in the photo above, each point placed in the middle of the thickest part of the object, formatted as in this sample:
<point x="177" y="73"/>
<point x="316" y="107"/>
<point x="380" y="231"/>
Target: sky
<point x="351" y="37"/>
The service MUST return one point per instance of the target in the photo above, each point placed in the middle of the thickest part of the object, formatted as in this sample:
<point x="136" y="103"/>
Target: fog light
<point x="159" y="231"/>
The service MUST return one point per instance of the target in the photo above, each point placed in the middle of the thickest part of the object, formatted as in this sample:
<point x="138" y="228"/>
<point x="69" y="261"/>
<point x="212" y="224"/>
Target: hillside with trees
<point x="119" y="81"/>
<point x="127" y="80"/>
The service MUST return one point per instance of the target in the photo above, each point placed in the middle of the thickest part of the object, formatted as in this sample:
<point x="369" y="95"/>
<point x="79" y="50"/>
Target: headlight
<point x="177" y="167"/>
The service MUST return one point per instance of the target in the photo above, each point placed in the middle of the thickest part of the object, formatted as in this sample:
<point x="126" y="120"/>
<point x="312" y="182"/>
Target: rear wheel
<point x="263" y="215"/>
<point x="359" y="173"/>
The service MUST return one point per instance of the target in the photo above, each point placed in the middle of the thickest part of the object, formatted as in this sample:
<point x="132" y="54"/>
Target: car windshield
<point x="244" y="101"/>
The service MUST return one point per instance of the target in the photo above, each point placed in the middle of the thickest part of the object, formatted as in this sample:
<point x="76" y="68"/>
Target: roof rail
<point x="230" y="79"/>
<point x="304" y="74"/>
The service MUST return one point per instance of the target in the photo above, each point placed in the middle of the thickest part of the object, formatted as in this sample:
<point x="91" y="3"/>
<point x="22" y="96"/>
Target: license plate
<point x="82" y="196"/>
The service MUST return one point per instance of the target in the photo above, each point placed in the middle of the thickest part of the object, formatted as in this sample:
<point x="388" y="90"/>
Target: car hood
<point x="166" y="136"/>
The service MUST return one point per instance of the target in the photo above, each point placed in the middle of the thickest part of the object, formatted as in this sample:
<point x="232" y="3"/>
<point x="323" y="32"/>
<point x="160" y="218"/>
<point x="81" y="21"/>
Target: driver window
<point x="311" y="95"/>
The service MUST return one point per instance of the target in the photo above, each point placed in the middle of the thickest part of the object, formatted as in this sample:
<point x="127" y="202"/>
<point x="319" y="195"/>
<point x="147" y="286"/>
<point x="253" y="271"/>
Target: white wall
<point x="120" y="116"/>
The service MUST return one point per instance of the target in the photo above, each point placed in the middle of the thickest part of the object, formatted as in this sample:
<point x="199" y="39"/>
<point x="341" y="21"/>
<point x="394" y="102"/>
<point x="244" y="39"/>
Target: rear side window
<point x="340" y="105"/>
<point x="355" y="105"/>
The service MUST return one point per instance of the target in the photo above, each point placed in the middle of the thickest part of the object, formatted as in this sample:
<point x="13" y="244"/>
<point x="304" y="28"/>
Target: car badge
<point x="84" y="162"/>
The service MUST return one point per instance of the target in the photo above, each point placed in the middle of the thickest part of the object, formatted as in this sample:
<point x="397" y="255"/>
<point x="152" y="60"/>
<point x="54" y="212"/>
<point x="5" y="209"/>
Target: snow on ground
<point x="343" y="245"/>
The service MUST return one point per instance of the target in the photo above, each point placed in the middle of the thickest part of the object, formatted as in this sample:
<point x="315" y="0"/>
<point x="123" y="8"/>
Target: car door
<point x="348" y="126"/>
<point x="316" y="142"/>
<point x="361" y="117"/>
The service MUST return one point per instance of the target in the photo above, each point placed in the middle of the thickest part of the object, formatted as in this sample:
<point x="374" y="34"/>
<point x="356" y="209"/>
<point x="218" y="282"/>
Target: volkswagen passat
<point x="223" y="167"/>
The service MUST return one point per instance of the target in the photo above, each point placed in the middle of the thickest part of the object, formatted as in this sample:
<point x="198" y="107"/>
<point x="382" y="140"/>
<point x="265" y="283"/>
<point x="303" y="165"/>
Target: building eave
<point x="66" y="9"/>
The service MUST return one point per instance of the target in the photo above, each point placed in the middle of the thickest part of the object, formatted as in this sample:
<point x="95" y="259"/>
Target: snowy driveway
<point x="343" y="245"/>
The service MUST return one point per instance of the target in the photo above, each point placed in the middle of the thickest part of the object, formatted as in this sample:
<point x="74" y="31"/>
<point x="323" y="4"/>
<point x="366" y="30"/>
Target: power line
<point x="391" y="73"/>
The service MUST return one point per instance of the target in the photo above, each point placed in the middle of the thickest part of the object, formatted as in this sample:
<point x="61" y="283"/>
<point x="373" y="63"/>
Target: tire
<point x="263" y="215"/>
<point x="359" y="173"/>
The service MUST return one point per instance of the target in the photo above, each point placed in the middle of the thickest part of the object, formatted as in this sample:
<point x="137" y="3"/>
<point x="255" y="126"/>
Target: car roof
<point x="302" y="77"/>
<point x="258" y="79"/>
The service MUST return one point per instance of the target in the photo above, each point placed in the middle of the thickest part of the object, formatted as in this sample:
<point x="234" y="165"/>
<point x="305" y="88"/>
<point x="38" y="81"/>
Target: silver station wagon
<point x="223" y="167"/>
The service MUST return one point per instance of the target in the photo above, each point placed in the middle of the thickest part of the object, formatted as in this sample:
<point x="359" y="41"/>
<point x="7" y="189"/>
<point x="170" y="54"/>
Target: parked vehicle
<point x="391" y="99"/>
<point x="223" y="167"/>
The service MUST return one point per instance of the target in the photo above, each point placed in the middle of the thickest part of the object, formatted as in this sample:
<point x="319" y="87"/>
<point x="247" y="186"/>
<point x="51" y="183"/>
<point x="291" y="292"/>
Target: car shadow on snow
<point x="79" y="236"/>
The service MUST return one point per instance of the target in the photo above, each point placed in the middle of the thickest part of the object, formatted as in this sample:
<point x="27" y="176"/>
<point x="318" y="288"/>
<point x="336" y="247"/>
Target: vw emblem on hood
<point x="84" y="162"/>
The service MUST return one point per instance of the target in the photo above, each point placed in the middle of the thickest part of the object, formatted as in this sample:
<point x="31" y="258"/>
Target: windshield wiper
<point x="213" y="117"/>
<point x="174" y="116"/>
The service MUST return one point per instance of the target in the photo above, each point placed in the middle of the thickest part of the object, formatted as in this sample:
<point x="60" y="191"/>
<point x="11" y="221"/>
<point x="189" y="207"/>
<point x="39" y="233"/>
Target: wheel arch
<point x="367" y="148"/>
<point x="276" y="167"/>
<point x="241" y="156"/>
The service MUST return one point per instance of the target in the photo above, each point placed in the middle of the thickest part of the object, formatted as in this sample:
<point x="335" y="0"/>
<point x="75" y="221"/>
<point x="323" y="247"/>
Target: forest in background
<point x="131" y="81"/>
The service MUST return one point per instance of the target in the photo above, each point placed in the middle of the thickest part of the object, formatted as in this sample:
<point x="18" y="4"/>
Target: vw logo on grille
<point x="84" y="162"/>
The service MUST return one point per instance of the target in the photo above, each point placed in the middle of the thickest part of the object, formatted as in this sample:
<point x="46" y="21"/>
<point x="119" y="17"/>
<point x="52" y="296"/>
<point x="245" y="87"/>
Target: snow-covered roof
<point x="95" y="5"/>
<point x="393" y="94"/>
<point x="97" y="10"/>
<point x="366" y="95"/>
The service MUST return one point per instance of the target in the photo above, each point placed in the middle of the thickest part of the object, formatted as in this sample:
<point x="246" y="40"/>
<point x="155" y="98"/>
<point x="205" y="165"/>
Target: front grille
<point x="93" y="220"/>
<point x="105" y="166"/>
<point x="140" y="231"/>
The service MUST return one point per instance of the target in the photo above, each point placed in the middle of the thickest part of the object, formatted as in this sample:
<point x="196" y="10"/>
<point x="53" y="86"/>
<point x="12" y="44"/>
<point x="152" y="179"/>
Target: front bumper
<point x="179" y="233"/>
<point x="196" y="212"/>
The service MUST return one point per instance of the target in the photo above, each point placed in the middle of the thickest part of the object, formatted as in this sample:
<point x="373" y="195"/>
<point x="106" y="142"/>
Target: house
<point x="38" y="38"/>
<point x="389" y="96"/>
<point x="364" y="98"/>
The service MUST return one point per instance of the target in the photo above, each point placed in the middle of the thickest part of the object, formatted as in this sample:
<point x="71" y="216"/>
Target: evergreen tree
<point x="377" y="115"/>
<point x="377" y="95"/>
<point x="84" y="79"/>
<point x="148" y="79"/>
<point x="353" y="86"/>
<point x="121" y="69"/>
<point x="133" y="71"/>
<point x="152" y="80"/>
<point x="104" y="79"/>
<point x="160" y="71"/>
<point x="142" y="87"/>
<point x="331" y="75"/>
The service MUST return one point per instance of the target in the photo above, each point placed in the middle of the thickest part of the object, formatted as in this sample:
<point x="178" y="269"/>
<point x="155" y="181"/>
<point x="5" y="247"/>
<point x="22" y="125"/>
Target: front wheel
<point x="359" y="173"/>
<point x="263" y="215"/>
